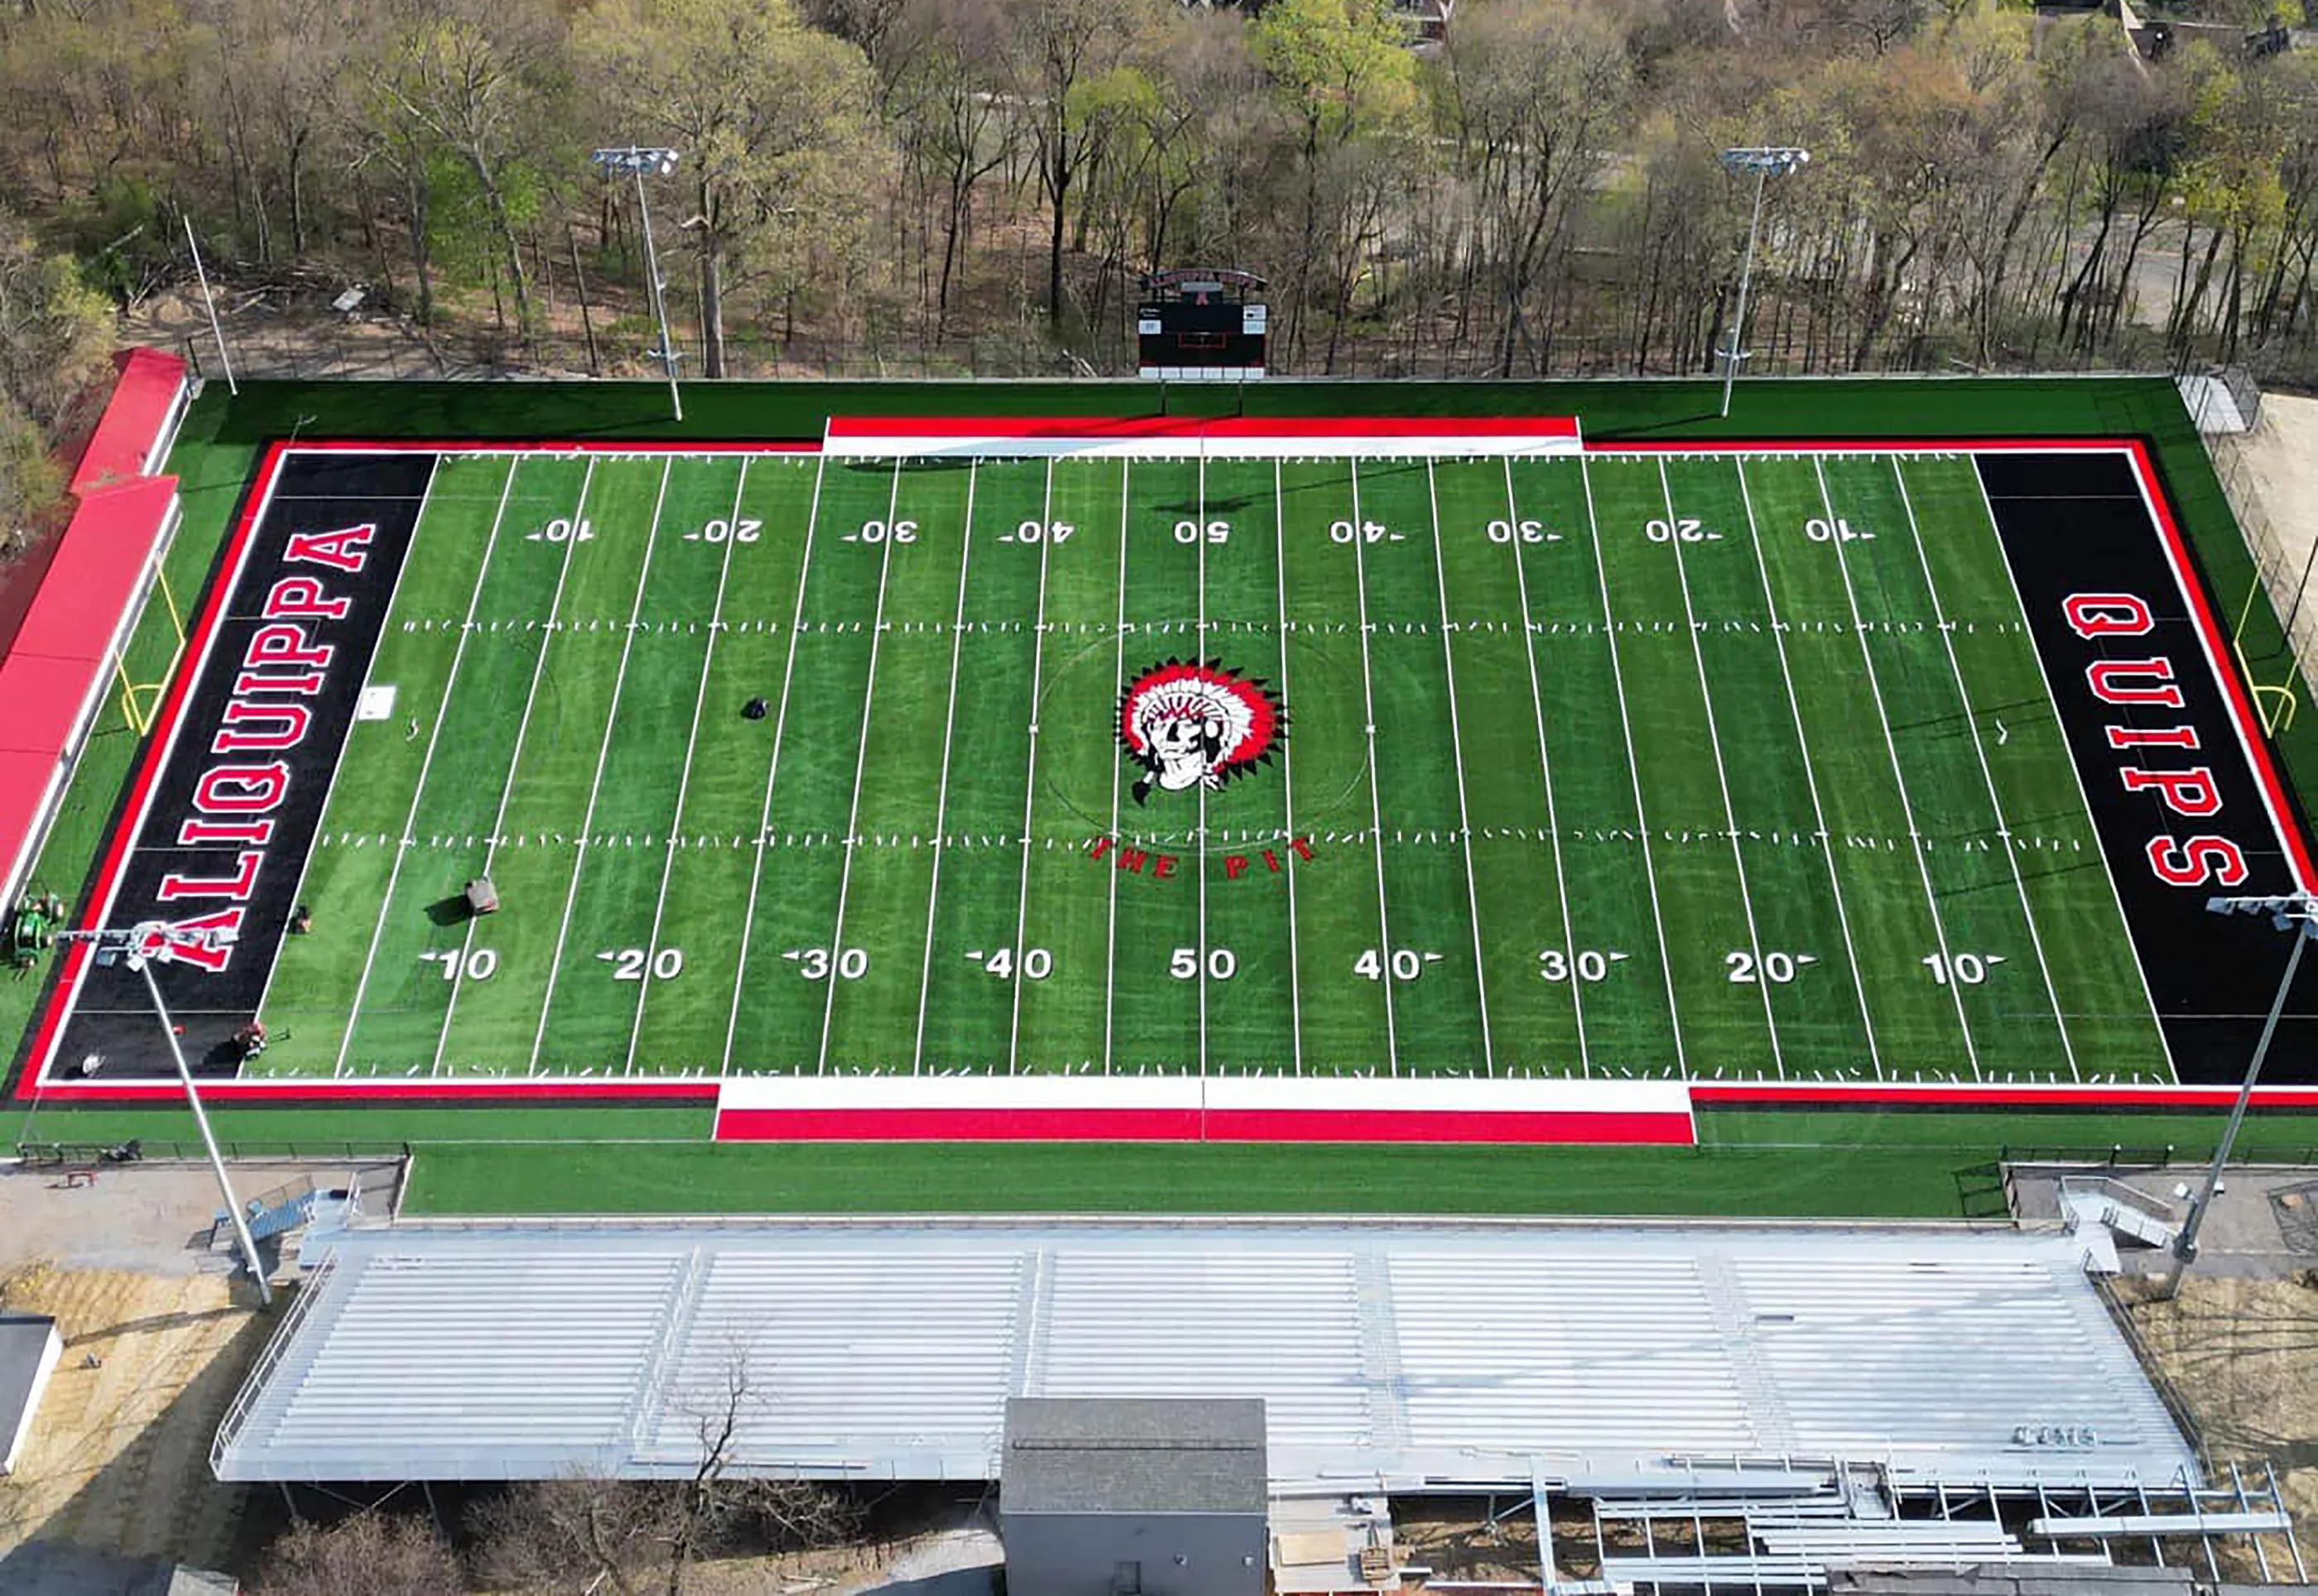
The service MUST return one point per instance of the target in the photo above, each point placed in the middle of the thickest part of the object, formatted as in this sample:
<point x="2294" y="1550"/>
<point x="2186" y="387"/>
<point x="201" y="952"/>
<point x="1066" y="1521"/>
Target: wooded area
<point x="946" y="187"/>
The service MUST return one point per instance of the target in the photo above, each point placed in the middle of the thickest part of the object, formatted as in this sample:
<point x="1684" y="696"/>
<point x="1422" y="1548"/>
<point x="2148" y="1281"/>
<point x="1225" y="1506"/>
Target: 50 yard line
<point x="1200" y="633"/>
<point x="941" y="799"/>
<point x="1457" y="755"/>
<point x="1375" y="798"/>
<point x="1287" y="767"/>
<point x="1030" y="774"/>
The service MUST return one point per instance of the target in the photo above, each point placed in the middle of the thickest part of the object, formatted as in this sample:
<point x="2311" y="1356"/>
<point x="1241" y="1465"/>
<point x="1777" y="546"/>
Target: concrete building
<point x="29" y="1349"/>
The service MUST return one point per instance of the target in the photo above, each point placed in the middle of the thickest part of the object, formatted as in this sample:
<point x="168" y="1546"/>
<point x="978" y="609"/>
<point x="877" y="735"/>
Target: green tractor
<point x="33" y="928"/>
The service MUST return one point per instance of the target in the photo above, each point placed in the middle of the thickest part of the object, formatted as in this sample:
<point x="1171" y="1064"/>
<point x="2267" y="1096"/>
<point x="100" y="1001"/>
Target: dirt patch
<point x="2275" y="465"/>
<point x="119" y="1455"/>
<point x="1457" y="1541"/>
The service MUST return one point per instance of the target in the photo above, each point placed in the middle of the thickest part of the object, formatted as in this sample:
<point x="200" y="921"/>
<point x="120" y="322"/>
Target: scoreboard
<point x="1201" y="326"/>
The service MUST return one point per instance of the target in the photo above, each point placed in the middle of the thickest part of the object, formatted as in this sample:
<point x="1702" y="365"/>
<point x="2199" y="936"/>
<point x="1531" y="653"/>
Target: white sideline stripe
<point x="1986" y="776"/>
<point x="1457" y="759"/>
<point x="773" y="763"/>
<point x="1810" y="775"/>
<point x="1287" y="767"/>
<point x="1030" y="769"/>
<point x="860" y="764"/>
<point x="941" y="799"/>
<point x="684" y="780"/>
<point x="1409" y="1094"/>
<point x="595" y="784"/>
<point x="426" y="759"/>
<point x="1721" y="774"/>
<point x="1119" y="673"/>
<point x="1376" y="797"/>
<point x="1444" y="446"/>
<point x="1899" y="777"/>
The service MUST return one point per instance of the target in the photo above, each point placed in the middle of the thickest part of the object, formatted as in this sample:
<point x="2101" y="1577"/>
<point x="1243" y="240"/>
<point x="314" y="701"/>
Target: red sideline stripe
<point x="1852" y="445"/>
<point x="289" y="1091"/>
<point x="2005" y="1096"/>
<point x="1102" y="428"/>
<point x="1190" y="1125"/>
<point x="558" y="447"/>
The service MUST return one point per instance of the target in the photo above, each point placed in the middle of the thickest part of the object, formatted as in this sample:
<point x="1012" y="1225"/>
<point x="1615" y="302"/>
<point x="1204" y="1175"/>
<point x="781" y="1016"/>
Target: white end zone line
<point x="1457" y="756"/>
<point x="1375" y="798"/>
<point x="941" y="799"/>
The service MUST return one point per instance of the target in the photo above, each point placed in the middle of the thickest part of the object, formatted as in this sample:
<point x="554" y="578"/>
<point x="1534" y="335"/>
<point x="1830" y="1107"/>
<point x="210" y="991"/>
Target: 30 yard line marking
<point x="941" y="799"/>
<point x="1376" y="799"/>
<point x="1545" y="769"/>
<point x="860" y="764"/>
<point x="426" y="761"/>
<point x="773" y="763"/>
<point x="683" y="778"/>
<point x="1987" y="775"/>
<point x="1810" y="778"/>
<point x="595" y="788"/>
<point x="1722" y="776"/>
<point x="1457" y="755"/>
<point x="1118" y="671"/>
<point x="1633" y="770"/>
<point x="1031" y="776"/>
<point x="1899" y="779"/>
<point x="1287" y="767"/>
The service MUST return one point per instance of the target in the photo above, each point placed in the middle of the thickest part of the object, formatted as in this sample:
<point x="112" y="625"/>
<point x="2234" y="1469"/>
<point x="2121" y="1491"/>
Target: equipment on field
<point x="482" y="897"/>
<point x="1201" y="326"/>
<point x="250" y="1039"/>
<point x="33" y="928"/>
<point x="754" y="710"/>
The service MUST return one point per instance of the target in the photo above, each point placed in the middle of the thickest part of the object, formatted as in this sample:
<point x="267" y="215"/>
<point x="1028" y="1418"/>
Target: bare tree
<point x="371" y="1552"/>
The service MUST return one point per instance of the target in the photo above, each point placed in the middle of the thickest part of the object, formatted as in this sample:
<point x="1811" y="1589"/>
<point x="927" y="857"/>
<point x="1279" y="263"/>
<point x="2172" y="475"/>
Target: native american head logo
<point x="1189" y="724"/>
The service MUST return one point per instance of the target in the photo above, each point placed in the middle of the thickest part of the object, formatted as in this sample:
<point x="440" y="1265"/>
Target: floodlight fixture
<point x="1765" y="161"/>
<point x="635" y="160"/>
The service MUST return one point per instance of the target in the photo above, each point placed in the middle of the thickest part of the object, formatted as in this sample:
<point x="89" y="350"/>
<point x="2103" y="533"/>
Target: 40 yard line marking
<point x="1723" y="777"/>
<point x="1287" y="763"/>
<point x="860" y="764"/>
<point x="683" y="778"/>
<point x="426" y="759"/>
<point x="1376" y="799"/>
<point x="941" y="801"/>
<point x="773" y="766"/>
<point x="1119" y="673"/>
<point x="595" y="788"/>
<point x="1457" y="754"/>
<point x="1030" y="777"/>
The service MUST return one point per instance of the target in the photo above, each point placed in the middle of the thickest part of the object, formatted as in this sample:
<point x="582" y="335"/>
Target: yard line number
<point x="633" y="964"/>
<point x="563" y="529"/>
<point x="1775" y="966"/>
<point x="1037" y="963"/>
<point x="1364" y="532"/>
<point x="1589" y="964"/>
<point x="1192" y="532"/>
<point x="1057" y="533"/>
<point x="1406" y="963"/>
<point x="1837" y="530"/>
<point x="1183" y="964"/>
<point x="818" y="964"/>
<point x="1679" y="529"/>
<point x="879" y="532"/>
<point x="1964" y="969"/>
<point x="1521" y="532"/>
<point x="741" y="529"/>
<point x="476" y="964"/>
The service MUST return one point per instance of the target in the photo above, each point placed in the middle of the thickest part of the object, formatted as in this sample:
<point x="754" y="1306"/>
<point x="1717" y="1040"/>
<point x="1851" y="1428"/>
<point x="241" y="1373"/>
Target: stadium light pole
<point x="210" y="300"/>
<point x="1762" y="161"/>
<point x="130" y="944"/>
<point x="636" y="160"/>
<point x="2294" y="911"/>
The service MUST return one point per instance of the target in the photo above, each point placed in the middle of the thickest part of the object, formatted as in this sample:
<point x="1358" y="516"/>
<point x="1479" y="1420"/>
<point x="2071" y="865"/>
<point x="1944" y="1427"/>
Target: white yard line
<point x="684" y="777"/>
<point x="1287" y="773"/>
<point x="1457" y="755"/>
<point x="1810" y="778"/>
<point x="860" y="764"/>
<point x="1892" y="747"/>
<point x="1199" y="855"/>
<point x="773" y="765"/>
<point x="337" y="767"/>
<point x="1634" y="769"/>
<point x="426" y="761"/>
<point x="1721" y="774"/>
<point x="1545" y="769"/>
<point x="1119" y="670"/>
<point x="1031" y="772"/>
<point x="941" y="801"/>
<point x="594" y="787"/>
<point x="1375" y="798"/>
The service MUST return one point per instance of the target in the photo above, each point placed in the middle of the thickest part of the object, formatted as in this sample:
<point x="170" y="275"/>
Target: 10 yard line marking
<point x="773" y="765"/>
<point x="1375" y="798"/>
<point x="1119" y="670"/>
<point x="1810" y="778"/>
<point x="595" y="788"/>
<point x="860" y="764"/>
<point x="1986" y="776"/>
<point x="1287" y="768"/>
<point x="684" y="779"/>
<point x="1891" y="748"/>
<point x="427" y="760"/>
<point x="1457" y="755"/>
<point x="1633" y="770"/>
<point x="1030" y="773"/>
<point x="1545" y="769"/>
<point x="1722" y="777"/>
<point x="941" y="799"/>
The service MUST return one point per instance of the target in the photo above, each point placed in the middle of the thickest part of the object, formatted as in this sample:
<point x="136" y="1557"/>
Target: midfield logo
<point x="1189" y="724"/>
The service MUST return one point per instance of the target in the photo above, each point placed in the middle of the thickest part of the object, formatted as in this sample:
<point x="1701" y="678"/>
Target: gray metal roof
<point x="1142" y="1455"/>
<point x="1468" y="1351"/>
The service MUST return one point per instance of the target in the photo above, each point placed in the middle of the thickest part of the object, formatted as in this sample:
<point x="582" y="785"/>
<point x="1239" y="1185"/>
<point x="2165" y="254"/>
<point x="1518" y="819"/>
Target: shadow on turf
<point x="452" y="911"/>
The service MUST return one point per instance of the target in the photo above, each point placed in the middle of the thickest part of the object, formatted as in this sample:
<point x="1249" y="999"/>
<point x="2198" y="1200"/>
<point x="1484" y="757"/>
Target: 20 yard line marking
<point x="1375" y="798"/>
<point x="1899" y="779"/>
<point x="684" y="779"/>
<point x="1031" y="776"/>
<point x="1457" y="756"/>
<point x="1545" y="769"/>
<point x="1810" y="778"/>
<point x="1118" y="671"/>
<point x="860" y="764"/>
<point x="427" y="760"/>
<point x="595" y="789"/>
<point x="1633" y="770"/>
<point x="1287" y="767"/>
<point x="773" y="763"/>
<point x="941" y="801"/>
<point x="1723" y="776"/>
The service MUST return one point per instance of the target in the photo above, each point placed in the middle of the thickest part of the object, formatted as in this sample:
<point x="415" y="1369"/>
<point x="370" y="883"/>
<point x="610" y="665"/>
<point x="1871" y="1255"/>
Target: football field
<point x="1618" y="763"/>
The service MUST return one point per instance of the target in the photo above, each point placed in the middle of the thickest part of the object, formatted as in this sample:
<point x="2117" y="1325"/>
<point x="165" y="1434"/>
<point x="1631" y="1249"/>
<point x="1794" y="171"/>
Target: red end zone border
<point x="1218" y="1108"/>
